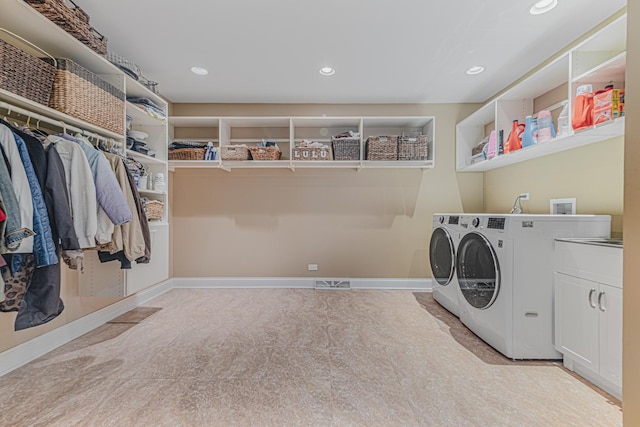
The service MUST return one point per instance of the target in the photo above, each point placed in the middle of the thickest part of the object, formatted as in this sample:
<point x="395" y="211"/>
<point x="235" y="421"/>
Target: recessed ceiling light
<point x="199" y="71"/>
<point x="327" y="71"/>
<point x="543" y="6"/>
<point x="476" y="69"/>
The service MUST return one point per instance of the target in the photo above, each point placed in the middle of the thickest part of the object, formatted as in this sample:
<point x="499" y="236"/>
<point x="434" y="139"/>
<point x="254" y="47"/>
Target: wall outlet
<point x="312" y="267"/>
<point x="524" y="196"/>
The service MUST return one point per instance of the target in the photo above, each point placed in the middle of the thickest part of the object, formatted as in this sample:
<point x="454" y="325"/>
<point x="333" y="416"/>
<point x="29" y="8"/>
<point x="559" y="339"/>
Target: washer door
<point x="442" y="256"/>
<point x="478" y="270"/>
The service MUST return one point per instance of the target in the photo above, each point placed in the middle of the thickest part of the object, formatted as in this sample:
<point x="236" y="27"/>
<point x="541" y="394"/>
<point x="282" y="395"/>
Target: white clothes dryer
<point x="442" y="257"/>
<point x="504" y="267"/>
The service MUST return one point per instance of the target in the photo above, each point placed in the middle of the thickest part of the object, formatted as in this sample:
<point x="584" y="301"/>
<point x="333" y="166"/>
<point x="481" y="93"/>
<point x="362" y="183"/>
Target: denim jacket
<point x="13" y="233"/>
<point x="19" y="239"/>
<point x="43" y="247"/>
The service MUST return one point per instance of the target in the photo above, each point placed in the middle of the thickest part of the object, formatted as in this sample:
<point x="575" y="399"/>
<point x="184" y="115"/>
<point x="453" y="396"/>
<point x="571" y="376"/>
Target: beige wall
<point x="592" y="174"/>
<point x="372" y="223"/>
<point x="75" y="307"/>
<point x="631" y="338"/>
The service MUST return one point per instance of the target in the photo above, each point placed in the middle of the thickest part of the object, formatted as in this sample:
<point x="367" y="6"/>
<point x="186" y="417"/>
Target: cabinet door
<point x="577" y="319"/>
<point x="142" y="276"/>
<point x="610" y="308"/>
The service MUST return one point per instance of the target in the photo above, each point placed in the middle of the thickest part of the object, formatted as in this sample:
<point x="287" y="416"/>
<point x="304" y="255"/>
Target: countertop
<point x="612" y="243"/>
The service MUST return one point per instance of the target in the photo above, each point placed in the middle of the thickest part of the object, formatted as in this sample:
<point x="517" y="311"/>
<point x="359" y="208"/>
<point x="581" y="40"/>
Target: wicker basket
<point x="265" y="153"/>
<point x="346" y="148"/>
<point x="74" y="21"/>
<point x="413" y="148"/>
<point x="25" y="75"/>
<point x="154" y="209"/>
<point x="80" y="93"/>
<point x="234" y="152"/>
<point x="187" y="154"/>
<point x="307" y="153"/>
<point x="382" y="148"/>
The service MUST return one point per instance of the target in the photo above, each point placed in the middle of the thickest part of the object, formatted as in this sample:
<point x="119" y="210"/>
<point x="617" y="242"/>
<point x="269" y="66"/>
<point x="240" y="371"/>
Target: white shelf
<point x="20" y="18"/>
<point x="297" y="128"/>
<point x="152" y="192"/>
<point x="599" y="59"/>
<point x="299" y="164"/>
<point x="611" y="70"/>
<point x="194" y="164"/>
<point x="140" y="117"/>
<point x="154" y="223"/>
<point x="596" y="134"/>
<point x="63" y="118"/>
<point x="143" y="158"/>
<point x="137" y="89"/>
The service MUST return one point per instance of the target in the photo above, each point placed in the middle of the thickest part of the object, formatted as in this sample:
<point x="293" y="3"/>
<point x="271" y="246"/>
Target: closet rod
<point x="58" y="123"/>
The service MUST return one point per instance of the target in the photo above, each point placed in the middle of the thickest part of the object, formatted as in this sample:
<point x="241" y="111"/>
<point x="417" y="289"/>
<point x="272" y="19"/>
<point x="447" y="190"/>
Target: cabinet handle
<point x="591" y="303"/>
<point x="600" y="301"/>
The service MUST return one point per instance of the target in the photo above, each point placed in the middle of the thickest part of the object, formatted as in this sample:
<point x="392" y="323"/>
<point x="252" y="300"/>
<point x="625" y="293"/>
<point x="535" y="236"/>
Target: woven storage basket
<point x="346" y="148"/>
<point x="382" y="148"/>
<point x="25" y="75"/>
<point x="265" y="153"/>
<point x="187" y="154"/>
<point x="80" y="93"/>
<point x="307" y="153"/>
<point x="413" y="148"/>
<point x="74" y="21"/>
<point x="154" y="209"/>
<point x="234" y="152"/>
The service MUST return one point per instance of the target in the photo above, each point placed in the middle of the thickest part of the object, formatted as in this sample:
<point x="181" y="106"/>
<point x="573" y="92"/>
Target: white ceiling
<point x="400" y="51"/>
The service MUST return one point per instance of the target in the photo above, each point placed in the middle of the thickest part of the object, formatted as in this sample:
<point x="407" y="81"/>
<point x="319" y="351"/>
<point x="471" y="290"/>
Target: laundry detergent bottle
<point x="492" y="151"/>
<point x="514" y="142"/>
<point x="530" y="134"/>
<point x="546" y="129"/>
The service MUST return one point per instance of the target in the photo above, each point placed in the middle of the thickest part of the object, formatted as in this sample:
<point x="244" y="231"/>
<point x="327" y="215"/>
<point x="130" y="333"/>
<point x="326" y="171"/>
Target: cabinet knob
<point x="591" y="303"/>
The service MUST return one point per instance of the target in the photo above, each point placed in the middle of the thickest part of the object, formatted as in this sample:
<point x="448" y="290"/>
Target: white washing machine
<point x="504" y="267"/>
<point x="442" y="257"/>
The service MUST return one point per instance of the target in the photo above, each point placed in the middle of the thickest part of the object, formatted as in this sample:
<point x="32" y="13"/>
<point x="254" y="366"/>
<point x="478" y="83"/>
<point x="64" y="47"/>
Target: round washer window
<point x="478" y="270"/>
<point x="441" y="256"/>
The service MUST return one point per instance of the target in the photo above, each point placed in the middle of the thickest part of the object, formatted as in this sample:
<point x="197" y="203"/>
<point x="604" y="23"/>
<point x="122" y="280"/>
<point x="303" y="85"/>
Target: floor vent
<point x="332" y="284"/>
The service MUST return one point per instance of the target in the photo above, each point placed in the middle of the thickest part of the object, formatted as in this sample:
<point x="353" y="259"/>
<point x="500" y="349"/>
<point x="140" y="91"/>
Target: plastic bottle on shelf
<point x="529" y="136"/>
<point x="563" y="120"/>
<point x="546" y="129"/>
<point x="492" y="150"/>
<point x="514" y="141"/>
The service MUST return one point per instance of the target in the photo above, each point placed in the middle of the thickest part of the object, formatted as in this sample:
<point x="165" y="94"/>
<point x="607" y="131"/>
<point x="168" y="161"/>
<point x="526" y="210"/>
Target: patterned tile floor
<point x="294" y="357"/>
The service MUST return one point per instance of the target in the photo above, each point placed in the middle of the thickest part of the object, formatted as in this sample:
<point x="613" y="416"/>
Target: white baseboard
<point x="242" y="282"/>
<point x="26" y="352"/>
<point x="296" y="282"/>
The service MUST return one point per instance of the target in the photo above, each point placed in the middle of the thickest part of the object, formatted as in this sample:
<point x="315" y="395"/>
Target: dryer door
<point x="442" y="256"/>
<point x="478" y="270"/>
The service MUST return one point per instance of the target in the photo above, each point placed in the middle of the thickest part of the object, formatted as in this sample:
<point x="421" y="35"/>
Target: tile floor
<point x="294" y="357"/>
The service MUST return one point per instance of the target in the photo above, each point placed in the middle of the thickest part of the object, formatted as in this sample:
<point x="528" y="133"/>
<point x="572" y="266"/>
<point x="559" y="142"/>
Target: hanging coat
<point x="22" y="191"/>
<point x="81" y="190"/>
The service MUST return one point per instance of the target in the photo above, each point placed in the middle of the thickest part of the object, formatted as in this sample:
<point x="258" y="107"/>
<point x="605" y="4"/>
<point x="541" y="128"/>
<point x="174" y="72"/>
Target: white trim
<point x="26" y="352"/>
<point x="242" y="282"/>
<point x="296" y="282"/>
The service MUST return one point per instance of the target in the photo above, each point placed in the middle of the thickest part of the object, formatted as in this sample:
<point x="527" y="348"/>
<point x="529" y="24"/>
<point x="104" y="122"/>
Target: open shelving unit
<point x="101" y="279"/>
<point x="599" y="60"/>
<point x="289" y="131"/>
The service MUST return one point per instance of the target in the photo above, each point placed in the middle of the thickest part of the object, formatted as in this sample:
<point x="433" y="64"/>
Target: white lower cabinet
<point x="588" y="312"/>
<point x="157" y="270"/>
